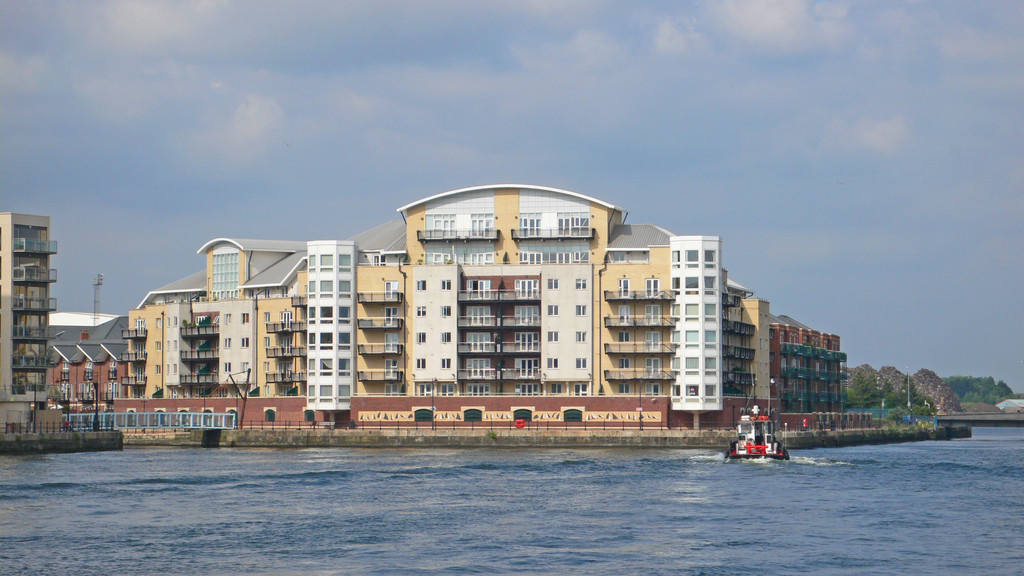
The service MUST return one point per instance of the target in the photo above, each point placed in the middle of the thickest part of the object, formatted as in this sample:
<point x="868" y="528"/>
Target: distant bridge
<point x="152" y="420"/>
<point x="1005" y="420"/>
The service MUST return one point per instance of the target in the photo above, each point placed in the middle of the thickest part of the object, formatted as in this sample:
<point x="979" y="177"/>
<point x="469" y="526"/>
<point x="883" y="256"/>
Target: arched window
<point x="269" y="415"/>
<point x="424" y="415"/>
<point x="572" y="415"/>
<point x="522" y="414"/>
<point x="472" y="415"/>
<point x="310" y="415"/>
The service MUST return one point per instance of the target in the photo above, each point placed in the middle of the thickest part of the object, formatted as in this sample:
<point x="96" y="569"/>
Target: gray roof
<point x="191" y="283"/>
<point x="637" y="237"/>
<point x="279" y="272"/>
<point x="256" y="245"/>
<point x="786" y="320"/>
<point x="386" y="237"/>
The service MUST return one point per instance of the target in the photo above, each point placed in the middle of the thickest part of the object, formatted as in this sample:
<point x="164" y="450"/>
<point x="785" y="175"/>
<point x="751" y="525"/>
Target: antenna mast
<point x="96" y="283"/>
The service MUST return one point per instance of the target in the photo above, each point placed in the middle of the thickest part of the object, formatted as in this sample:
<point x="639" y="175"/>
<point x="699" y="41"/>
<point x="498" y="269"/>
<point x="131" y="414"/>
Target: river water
<point x="952" y="507"/>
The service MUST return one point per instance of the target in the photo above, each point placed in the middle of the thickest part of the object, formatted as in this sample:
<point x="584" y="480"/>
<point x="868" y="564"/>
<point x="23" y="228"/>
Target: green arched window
<point x="572" y="415"/>
<point x="423" y="415"/>
<point x="269" y="415"/>
<point x="473" y="415"/>
<point x="310" y="415"/>
<point x="522" y="414"/>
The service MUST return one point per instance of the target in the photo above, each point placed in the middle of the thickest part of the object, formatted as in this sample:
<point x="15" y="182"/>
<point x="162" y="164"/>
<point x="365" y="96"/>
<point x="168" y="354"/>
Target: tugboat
<point x="756" y="439"/>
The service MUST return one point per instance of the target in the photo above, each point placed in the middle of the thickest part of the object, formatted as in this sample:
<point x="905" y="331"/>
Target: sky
<point x="862" y="161"/>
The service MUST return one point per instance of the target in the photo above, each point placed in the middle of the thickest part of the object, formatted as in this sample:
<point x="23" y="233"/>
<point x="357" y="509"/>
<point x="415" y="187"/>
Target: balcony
<point x="498" y="295"/>
<point x="736" y="327"/>
<point x="520" y="374"/>
<point x="285" y="377"/>
<point x="133" y="356"/>
<point x="385" y="323"/>
<point x="741" y="378"/>
<point x="285" y="327"/>
<point x="193" y="379"/>
<point x="738" y="352"/>
<point x="34" y="274"/>
<point x="627" y="321"/>
<point x="34" y="304"/>
<point x="464" y="235"/>
<point x="29" y="361"/>
<point x="29" y="333"/>
<point x="200" y="355"/>
<point x="494" y="348"/>
<point x="639" y="374"/>
<point x="286" y="352"/>
<point x="640" y="348"/>
<point x="478" y="374"/>
<point x="379" y="375"/>
<point x="204" y="331"/>
<point x="133" y="380"/>
<point x="136" y="334"/>
<point x="561" y="232"/>
<point x="381" y="349"/>
<point x="299" y="301"/>
<point x="730" y="300"/>
<point x="25" y="245"/>
<point x="638" y="295"/>
<point x="378" y="297"/>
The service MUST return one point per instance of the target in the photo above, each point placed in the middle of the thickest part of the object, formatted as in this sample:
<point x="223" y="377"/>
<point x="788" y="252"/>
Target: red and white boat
<point x="756" y="439"/>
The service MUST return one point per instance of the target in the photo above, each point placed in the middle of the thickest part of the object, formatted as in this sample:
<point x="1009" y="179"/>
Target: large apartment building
<point x="25" y="305"/>
<point x="484" y="304"/>
<point x="807" y="367"/>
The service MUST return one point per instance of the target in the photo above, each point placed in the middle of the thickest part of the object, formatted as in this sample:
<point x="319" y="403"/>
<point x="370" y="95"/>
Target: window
<point x="327" y="338"/>
<point x="652" y="389"/>
<point x="572" y="415"/>
<point x="227" y="343"/>
<point x="552" y="363"/>
<point x="623" y="388"/>
<point x="326" y="313"/>
<point x="446" y="337"/>
<point x="552" y="336"/>
<point x="581" y="336"/>
<point x="446" y="311"/>
<point x="581" y="363"/>
<point x="245" y="317"/>
<point x="556" y="387"/>
<point x="580" y="389"/>
<point x="623" y="286"/>
<point x="624" y="364"/>
<point x="623" y="336"/>
<point x="159" y="344"/>
<point x="269" y="415"/>
<point x="552" y="310"/>
<point x="552" y="283"/>
<point x="446" y="363"/>
<point x="693" y="336"/>
<point x="245" y="342"/>
<point x="421" y="311"/>
<point x="326" y="260"/>
<point x="709" y="256"/>
<point x="446" y="284"/>
<point x="421" y="363"/>
<point x="421" y="285"/>
<point x="581" y="283"/>
<point x="266" y="316"/>
<point x="344" y="286"/>
<point x="692" y="310"/>
<point x="472" y="415"/>
<point x="710" y="336"/>
<point x="675" y="256"/>
<point x="421" y="337"/>
<point x="581" y="309"/>
<point x="710" y="309"/>
<point x="344" y="262"/>
<point x="691" y="255"/>
<point x="327" y="286"/>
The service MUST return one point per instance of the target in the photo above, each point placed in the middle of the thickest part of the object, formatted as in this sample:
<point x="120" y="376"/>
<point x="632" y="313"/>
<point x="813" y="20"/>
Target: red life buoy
<point x="520" y="423"/>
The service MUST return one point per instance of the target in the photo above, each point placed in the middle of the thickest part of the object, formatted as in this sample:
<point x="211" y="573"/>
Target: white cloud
<point x="785" y="26"/>
<point x="151" y="25"/>
<point x="669" y="39"/>
<point x="244" y="137"/>
<point x="883" y="135"/>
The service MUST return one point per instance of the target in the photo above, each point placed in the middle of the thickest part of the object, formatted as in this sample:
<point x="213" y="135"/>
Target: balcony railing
<point x="193" y="379"/>
<point x="625" y="321"/>
<point x="299" y="301"/>
<point x="378" y="297"/>
<point x="742" y="378"/>
<point x="640" y="348"/>
<point x="285" y="377"/>
<point x="458" y="234"/>
<point x="520" y="374"/>
<point x="381" y="349"/>
<point x="493" y="348"/>
<point x="34" y="246"/>
<point x="478" y="374"/>
<point x="29" y="333"/>
<point x="639" y="374"/>
<point x="385" y="323"/>
<point x="133" y="381"/>
<point x="498" y="295"/>
<point x="136" y="334"/>
<point x="737" y="327"/>
<point x="193" y="331"/>
<point x="578" y="232"/>
<point x="285" y="327"/>
<point x="34" y="275"/>
<point x="730" y="300"/>
<point x="380" y="375"/>
<point x="192" y="355"/>
<point x="133" y="356"/>
<point x="738" y="352"/>
<point x="29" y="361"/>
<point x="286" y="352"/>
<point x="613" y="295"/>
<point x="35" y="304"/>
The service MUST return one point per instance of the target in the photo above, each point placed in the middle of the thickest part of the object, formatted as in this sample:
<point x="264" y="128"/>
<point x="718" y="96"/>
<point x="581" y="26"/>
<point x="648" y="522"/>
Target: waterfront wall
<point x="482" y="438"/>
<point x="41" y="443"/>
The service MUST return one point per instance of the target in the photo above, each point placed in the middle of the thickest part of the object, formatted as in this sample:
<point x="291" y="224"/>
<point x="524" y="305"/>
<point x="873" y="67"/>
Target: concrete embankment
<point x="482" y="438"/>
<point x="41" y="443"/>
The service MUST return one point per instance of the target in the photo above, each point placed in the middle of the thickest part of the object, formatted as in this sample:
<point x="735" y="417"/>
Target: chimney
<point x="84" y="335"/>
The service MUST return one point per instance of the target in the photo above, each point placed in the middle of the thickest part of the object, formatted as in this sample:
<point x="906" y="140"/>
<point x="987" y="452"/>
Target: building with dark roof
<point x="808" y="367"/>
<point x="85" y="353"/>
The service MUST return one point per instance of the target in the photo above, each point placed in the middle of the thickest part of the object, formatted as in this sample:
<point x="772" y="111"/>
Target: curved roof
<point x="247" y="244"/>
<point x="403" y="209"/>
